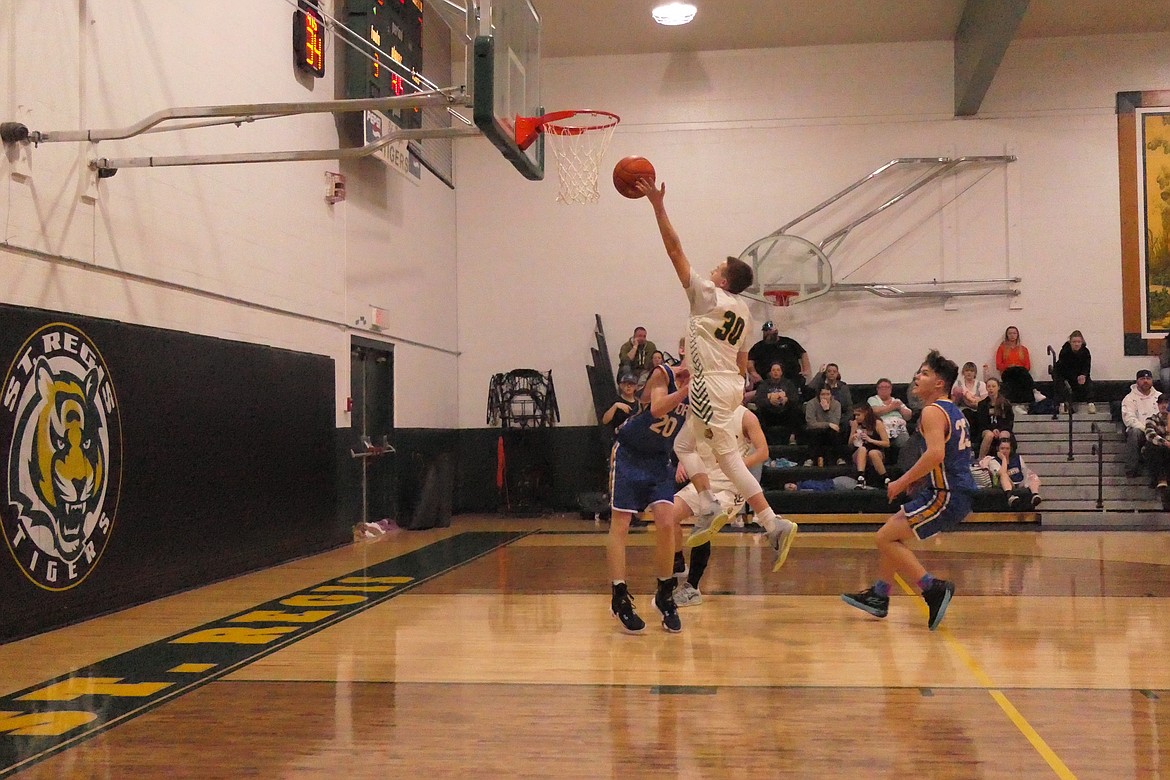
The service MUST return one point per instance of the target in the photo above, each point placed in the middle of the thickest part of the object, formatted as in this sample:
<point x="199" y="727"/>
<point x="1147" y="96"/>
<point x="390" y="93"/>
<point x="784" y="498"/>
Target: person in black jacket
<point x="993" y="416"/>
<point x="1072" y="374"/>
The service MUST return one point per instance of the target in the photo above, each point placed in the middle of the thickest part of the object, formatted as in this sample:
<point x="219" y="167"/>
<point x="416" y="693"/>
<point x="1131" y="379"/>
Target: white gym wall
<point x="747" y="140"/>
<point x="257" y="253"/>
<point x="497" y="275"/>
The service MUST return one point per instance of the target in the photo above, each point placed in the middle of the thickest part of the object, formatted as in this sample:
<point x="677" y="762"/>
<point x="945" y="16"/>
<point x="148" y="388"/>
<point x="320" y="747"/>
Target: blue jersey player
<point x="942" y="487"/>
<point x="641" y="477"/>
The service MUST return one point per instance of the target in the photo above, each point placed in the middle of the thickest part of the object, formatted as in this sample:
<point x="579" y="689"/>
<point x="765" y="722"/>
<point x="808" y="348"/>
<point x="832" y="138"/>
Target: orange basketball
<point x="627" y="172"/>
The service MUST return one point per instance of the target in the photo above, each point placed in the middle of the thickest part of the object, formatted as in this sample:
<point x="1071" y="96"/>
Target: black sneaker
<point x="664" y="602"/>
<point x="937" y="597"/>
<point x="868" y="601"/>
<point x="1013" y="499"/>
<point x="1036" y="501"/>
<point x="622" y="607"/>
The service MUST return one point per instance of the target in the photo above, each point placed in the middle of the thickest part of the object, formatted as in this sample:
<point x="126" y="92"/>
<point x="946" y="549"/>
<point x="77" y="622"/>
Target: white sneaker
<point x="1092" y="408"/>
<point x="686" y="595"/>
<point x="706" y="526"/>
<point x="1037" y="396"/>
<point x="781" y="540"/>
<point x="1020" y="409"/>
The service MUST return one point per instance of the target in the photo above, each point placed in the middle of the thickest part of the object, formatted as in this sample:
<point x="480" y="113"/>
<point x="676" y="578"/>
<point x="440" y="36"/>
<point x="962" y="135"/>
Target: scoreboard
<point x="395" y="27"/>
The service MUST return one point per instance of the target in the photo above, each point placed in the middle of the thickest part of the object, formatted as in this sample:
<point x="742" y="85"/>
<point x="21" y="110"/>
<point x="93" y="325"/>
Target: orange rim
<point x="528" y="127"/>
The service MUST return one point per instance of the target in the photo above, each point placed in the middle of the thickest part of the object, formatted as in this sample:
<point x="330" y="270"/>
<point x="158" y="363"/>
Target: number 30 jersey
<point x="717" y="331"/>
<point x="646" y="434"/>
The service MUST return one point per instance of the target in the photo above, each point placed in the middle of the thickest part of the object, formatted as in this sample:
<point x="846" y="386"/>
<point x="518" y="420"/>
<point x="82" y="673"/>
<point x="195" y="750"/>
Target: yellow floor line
<point x="1009" y="709"/>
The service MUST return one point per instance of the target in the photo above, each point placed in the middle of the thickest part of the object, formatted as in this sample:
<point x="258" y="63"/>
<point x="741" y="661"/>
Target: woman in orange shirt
<point x="1015" y="368"/>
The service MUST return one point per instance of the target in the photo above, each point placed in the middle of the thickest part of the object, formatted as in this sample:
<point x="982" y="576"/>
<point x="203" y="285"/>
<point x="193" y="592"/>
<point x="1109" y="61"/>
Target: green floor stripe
<point x="54" y="715"/>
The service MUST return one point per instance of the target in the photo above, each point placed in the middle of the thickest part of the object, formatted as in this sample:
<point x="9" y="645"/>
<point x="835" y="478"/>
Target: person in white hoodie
<point x="1138" y="405"/>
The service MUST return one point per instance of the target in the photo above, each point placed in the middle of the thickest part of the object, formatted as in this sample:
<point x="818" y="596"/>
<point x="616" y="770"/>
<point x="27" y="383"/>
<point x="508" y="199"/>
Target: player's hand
<point x="646" y="187"/>
<point x="896" y="488"/>
<point x="680" y="474"/>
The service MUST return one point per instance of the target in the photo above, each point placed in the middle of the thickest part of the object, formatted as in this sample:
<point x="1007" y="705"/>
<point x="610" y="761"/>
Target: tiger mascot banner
<point x="61" y="434"/>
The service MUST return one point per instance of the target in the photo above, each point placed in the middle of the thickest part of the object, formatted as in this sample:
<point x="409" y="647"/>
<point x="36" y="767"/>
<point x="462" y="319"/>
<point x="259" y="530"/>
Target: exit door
<point x="372" y="426"/>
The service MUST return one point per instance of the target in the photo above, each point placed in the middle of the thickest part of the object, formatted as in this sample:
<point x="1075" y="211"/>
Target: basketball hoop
<point x="781" y="297"/>
<point x="578" y="140"/>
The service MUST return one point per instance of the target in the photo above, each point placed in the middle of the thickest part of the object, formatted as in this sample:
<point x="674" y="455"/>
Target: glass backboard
<point x="787" y="263"/>
<point x="507" y="79"/>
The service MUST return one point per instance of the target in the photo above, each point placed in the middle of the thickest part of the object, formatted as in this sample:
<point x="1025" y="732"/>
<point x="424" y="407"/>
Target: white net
<point x="578" y="143"/>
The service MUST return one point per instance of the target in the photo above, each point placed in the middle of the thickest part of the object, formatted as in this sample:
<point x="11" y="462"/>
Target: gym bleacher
<point x="871" y="505"/>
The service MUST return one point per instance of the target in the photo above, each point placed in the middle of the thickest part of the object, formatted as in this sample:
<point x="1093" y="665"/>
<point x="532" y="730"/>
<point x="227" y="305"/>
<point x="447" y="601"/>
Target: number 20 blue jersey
<point x="646" y="434"/>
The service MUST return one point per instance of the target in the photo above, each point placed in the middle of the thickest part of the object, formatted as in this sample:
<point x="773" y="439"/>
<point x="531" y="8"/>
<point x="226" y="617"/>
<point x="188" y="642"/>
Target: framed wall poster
<point x="1143" y="146"/>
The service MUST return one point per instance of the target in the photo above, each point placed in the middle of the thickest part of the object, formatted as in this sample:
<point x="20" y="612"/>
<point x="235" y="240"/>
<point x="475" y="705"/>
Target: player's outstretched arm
<point x="670" y="239"/>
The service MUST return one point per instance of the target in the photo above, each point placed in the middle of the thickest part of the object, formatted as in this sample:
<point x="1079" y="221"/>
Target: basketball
<point x="627" y="172"/>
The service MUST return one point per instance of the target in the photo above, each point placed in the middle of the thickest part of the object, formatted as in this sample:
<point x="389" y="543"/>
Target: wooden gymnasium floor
<point x="475" y="652"/>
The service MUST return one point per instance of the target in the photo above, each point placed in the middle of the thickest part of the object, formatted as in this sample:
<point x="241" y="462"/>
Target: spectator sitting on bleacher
<point x="968" y="391"/>
<point x="822" y="426"/>
<point x="1010" y="472"/>
<point x="635" y="355"/>
<point x="1138" y="406"/>
<point x="1158" y="446"/>
<point x="1074" y="367"/>
<point x="870" y="440"/>
<point x="993" y="416"/>
<point x="774" y="348"/>
<point x="893" y="413"/>
<point x="1014" y="364"/>
<point x="830" y="376"/>
<point x="778" y="404"/>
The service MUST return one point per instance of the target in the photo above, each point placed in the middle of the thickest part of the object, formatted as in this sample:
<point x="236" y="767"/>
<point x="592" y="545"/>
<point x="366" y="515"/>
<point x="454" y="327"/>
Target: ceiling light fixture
<point x="674" y="13"/>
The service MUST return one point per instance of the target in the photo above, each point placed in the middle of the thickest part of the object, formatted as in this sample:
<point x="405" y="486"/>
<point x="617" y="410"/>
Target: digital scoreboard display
<point x="394" y="27"/>
<point x="309" y="42"/>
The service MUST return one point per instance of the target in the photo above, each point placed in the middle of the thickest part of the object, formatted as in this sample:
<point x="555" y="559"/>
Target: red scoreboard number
<point x="309" y="42"/>
<point x="393" y="30"/>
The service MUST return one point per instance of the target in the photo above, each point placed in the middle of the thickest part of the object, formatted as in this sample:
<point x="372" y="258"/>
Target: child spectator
<point x="1013" y="475"/>
<point x="870" y="440"/>
<point x="993" y="416"/>
<point x="968" y="391"/>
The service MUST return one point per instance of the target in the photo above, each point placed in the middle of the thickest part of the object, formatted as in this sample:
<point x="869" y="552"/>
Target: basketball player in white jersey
<point x="717" y="353"/>
<point x="753" y="448"/>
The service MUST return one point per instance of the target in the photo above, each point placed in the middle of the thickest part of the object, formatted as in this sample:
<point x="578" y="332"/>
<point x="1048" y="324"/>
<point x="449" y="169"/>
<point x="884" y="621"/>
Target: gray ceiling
<point x="572" y="28"/>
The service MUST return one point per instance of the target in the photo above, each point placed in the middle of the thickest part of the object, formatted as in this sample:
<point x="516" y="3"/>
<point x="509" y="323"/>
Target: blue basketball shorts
<point x="934" y="511"/>
<point x="636" y="481"/>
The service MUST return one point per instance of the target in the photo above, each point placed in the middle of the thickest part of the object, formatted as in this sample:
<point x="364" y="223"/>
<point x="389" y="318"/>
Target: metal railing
<point x="1099" y="451"/>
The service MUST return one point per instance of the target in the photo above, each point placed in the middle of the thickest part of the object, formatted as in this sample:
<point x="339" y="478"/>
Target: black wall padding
<point x="227" y="465"/>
